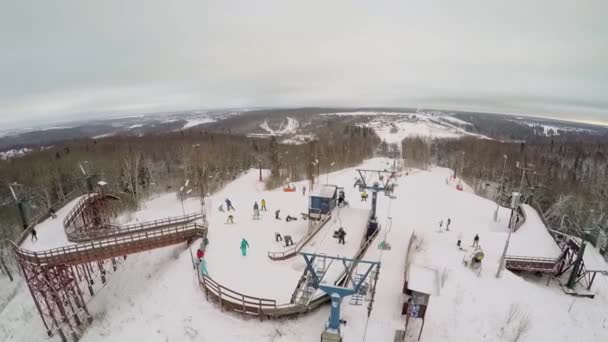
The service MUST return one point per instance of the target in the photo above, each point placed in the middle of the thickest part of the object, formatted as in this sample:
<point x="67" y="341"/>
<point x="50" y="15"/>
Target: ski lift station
<point x="323" y="200"/>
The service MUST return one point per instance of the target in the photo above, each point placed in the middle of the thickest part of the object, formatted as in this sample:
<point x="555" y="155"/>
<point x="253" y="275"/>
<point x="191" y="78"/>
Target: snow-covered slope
<point x="393" y="127"/>
<point x="155" y="296"/>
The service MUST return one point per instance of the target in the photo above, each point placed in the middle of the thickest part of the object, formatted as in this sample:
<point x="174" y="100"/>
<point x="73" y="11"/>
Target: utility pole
<point x="502" y="184"/>
<point x="19" y="206"/>
<point x="523" y="169"/>
<point x="514" y="204"/>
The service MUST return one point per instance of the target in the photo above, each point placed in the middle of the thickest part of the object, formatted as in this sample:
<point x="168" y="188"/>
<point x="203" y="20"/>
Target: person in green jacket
<point x="244" y="246"/>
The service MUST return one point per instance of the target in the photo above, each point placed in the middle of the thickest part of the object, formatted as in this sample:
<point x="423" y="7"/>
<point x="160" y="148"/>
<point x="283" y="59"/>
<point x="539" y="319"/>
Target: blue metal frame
<point x="337" y="293"/>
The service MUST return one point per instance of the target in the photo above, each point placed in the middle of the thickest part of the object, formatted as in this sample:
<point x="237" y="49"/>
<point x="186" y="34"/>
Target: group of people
<point x="447" y="225"/>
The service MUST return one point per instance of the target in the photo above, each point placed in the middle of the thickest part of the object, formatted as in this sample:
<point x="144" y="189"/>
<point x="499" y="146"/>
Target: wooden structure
<point x="58" y="277"/>
<point x="293" y="250"/>
<point x="266" y="308"/>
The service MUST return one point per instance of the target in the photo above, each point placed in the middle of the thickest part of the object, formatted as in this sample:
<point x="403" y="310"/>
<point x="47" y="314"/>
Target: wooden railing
<point x="138" y="241"/>
<point x="235" y="301"/>
<point x="531" y="264"/>
<point x="44" y="215"/>
<point x="291" y="252"/>
<point x="113" y="230"/>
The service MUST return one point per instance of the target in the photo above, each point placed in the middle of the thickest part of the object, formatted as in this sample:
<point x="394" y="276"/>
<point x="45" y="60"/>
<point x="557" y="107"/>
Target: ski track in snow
<point x="154" y="296"/>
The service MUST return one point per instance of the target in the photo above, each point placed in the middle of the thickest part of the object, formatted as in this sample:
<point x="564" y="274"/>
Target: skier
<point x="447" y="226"/>
<point x="244" y="246"/>
<point x="341" y="235"/>
<point x="363" y="196"/>
<point x="440" y="224"/>
<point x="229" y="205"/>
<point x="263" y="204"/>
<point x="230" y="219"/>
<point x="459" y="240"/>
<point x="276" y="214"/>
<point x="277" y="237"/>
<point x="256" y="211"/>
<point x="304" y="190"/>
<point x="476" y="241"/>
<point x="200" y="254"/>
<point x="203" y="267"/>
<point x="221" y="208"/>
<point x="290" y="218"/>
<point x="52" y="213"/>
<point x="34" y="235"/>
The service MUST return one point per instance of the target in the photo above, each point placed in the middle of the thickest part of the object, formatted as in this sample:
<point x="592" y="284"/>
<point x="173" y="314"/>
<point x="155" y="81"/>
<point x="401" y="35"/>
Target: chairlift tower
<point x="338" y="291"/>
<point x="383" y="184"/>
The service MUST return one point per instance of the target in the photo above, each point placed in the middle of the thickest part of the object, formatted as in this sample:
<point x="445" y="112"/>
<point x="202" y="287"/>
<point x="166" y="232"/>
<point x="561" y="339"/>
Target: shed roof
<point x="325" y="191"/>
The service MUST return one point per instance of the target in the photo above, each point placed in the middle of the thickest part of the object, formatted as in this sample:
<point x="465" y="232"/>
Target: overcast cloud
<point x="68" y="59"/>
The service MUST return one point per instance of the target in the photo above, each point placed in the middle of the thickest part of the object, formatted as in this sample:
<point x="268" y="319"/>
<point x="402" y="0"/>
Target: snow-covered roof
<point x="325" y="191"/>
<point x="594" y="260"/>
<point x="423" y="279"/>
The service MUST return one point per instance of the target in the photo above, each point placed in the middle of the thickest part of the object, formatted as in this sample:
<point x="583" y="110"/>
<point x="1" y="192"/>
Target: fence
<point x="291" y="252"/>
<point x="112" y="247"/>
<point x="236" y="301"/>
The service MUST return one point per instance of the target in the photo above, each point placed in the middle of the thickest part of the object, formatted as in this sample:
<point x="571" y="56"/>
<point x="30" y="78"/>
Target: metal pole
<point x="504" y="252"/>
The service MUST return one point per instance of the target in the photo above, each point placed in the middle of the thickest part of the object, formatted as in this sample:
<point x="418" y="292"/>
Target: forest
<point x="137" y="167"/>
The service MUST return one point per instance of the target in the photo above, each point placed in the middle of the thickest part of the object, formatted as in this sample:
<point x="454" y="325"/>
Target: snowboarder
<point x="256" y="211"/>
<point x="277" y="237"/>
<point x="459" y="240"/>
<point x="288" y="240"/>
<point x="276" y="214"/>
<point x="304" y="190"/>
<point x="447" y="226"/>
<point x="341" y="235"/>
<point x="34" y="235"/>
<point x="476" y="241"/>
<point x="290" y="218"/>
<point x="203" y="267"/>
<point x="230" y="219"/>
<point x="244" y="246"/>
<point x="52" y="213"/>
<point x="229" y="205"/>
<point x="263" y="204"/>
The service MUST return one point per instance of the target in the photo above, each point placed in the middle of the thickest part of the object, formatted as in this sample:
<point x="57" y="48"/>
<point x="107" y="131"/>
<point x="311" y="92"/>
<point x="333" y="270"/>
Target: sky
<point x="66" y="60"/>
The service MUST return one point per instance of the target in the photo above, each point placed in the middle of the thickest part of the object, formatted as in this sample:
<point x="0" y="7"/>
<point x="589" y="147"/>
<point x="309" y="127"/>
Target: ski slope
<point x="155" y="295"/>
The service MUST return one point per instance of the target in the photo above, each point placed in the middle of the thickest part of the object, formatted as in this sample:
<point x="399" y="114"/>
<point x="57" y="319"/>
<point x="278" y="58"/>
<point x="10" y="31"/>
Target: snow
<point x="197" y="122"/>
<point x="14" y="153"/>
<point x="594" y="261"/>
<point x="135" y="126"/>
<point x="106" y="135"/>
<point x="532" y="239"/>
<point x="423" y="279"/>
<point x="299" y="139"/>
<point x="456" y="120"/>
<point x="392" y="128"/>
<point x="154" y="296"/>
<point x="549" y="129"/>
<point x="287" y="127"/>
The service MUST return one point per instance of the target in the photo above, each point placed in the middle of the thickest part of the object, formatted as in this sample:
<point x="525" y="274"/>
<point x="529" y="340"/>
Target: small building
<point x="322" y="201"/>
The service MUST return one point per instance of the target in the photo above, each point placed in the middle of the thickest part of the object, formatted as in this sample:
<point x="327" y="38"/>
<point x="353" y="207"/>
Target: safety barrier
<point x="293" y="251"/>
<point x="111" y="247"/>
<point x="529" y="264"/>
<point x="113" y="230"/>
